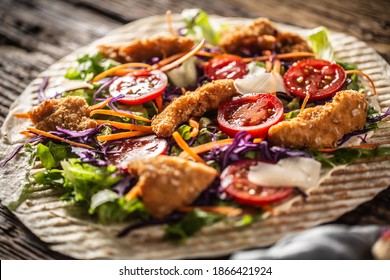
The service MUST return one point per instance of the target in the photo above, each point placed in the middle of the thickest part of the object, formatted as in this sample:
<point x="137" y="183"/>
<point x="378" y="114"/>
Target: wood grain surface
<point x="36" y="33"/>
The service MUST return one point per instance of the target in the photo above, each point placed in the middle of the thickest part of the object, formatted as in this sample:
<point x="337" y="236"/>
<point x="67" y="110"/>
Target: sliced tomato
<point x="252" y="113"/>
<point x="234" y="181"/>
<point x="139" y="87"/>
<point x="226" y="66"/>
<point x="317" y="77"/>
<point x="137" y="148"/>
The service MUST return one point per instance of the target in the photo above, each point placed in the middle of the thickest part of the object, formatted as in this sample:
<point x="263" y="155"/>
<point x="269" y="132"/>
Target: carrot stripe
<point x="128" y="126"/>
<point x="49" y="135"/>
<point x="207" y="147"/>
<point x="223" y="210"/>
<point x="133" y="193"/>
<point x="365" y="75"/>
<point x="159" y="103"/>
<point x="21" y="115"/>
<point x="182" y="144"/>
<point x="168" y="16"/>
<point x="304" y="103"/>
<point x="100" y="105"/>
<point x="183" y="58"/>
<point x="195" y="128"/>
<point x="111" y="71"/>
<point x="121" y="135"/>
<point x="118" y="114"/>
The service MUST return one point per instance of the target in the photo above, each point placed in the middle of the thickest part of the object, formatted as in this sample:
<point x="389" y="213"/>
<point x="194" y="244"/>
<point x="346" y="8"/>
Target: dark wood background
<point x="36" y="33"/>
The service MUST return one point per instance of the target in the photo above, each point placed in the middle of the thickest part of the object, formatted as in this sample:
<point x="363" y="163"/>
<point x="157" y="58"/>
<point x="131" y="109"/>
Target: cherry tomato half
<point x="252" y="113"/>
<point x="137" y="148"/>
<point x="139" y="87"/>
<point x="226" y="66"/>
<point x="234" y="181"/>
<point x="317" y="77"/>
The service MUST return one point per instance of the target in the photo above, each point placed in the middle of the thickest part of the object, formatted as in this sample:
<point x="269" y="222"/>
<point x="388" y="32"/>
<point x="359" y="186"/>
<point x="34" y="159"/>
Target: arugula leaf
<point x="89" y="66"/>
<point x="198" y="26"/>
<point x="190" y="224"/>
<point x="319" y="41"/>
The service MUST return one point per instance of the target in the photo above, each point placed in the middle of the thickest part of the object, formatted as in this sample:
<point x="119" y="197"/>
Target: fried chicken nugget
<point x="71" y="112"/>
<point x="259" y="36"/>
<point x="192" y="104"/>
<point x="144" y="49"/>
<point x="168" y="183"/>
<point x="322" y="126"/>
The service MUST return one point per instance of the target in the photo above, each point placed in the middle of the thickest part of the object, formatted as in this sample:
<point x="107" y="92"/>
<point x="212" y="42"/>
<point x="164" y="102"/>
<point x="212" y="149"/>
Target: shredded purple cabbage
<point x="124" y="185"/>
<point x="348" y="136"/>
<point x="90" y="156"/>
<point x="171" y="93"/>
<point x="243" y="143"/>
<point x="102" y="87"/>
<point x="381" y="117"/>
<point x="41" y="89"/>
<point x="35" y="140"/>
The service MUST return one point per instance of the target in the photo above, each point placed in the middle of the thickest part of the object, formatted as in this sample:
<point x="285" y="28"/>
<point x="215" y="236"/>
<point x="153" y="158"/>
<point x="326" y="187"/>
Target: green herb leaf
<point x="185" y="131"/>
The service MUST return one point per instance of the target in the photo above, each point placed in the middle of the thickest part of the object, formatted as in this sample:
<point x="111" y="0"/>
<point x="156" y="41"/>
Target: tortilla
<point x="49" y="219"/>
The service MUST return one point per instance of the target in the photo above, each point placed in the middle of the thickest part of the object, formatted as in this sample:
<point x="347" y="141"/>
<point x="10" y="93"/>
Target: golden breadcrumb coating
<point x="144" y="49"/>
<point x="322" y="126"/>
<point x="192" y="104"/>
<point x="71" y="112"/>
<point x="168" y="183"/>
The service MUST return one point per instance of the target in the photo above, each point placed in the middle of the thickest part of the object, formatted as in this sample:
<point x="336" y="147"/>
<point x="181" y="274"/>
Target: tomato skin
<point x="226" y="66"/>
<point x="317" y="77"/>
<point x="137" y="148"/>
<point x="234" y="181"/>
<point x="252" y="113"/>
<point x="139" y="87"/>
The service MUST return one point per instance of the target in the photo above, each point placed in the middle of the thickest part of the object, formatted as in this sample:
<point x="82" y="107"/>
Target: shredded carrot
<point x="276" y="67"/>
<point x="268" y="66"/>
<point x="167" y="60"/>
<point x="134" y="192"/>
<point x="195" y="127"/>
<point x="49" y="135"/>
<point x="159" y="103"/>
<point x="257" y="140"/>
<point x="129" y="126"/>
<point x="280" y="56"/>
<point x="365" y="75"/>
<point x="267" y="207"/>
<point x="25" y="133"/>
<point x="304" y="103"/>
<point x="100" y="105"/>
<point x="121" y="135"/>
<point x="207" y="147"/>
<point x="362" y="146"/>
<point x="118" y="114"/>
<point x="111" y="71"/>
<point x="168" y="16"/>
<point x="179" y="61"/>
<point x="183" y="90"/>
<point x="184" y="146"/>
<point x="204" y="53"/>
<point x="21" y="115"/>
<point x="223" y="210"/>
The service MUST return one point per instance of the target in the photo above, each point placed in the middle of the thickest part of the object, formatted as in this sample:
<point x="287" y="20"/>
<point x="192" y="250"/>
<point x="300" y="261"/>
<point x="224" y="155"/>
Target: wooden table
<point x="36" y="33"/>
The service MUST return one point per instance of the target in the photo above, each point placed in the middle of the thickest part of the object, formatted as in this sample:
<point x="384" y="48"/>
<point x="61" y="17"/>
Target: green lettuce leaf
<point x="190" y="224"/>
<point x="51" y="154"/>
<point x="319" y="42"/>
<point x="198" y="26"/>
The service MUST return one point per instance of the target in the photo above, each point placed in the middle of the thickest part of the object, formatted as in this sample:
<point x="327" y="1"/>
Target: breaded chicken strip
<point x="71" y="112"/>
<point x="322" y="126"/>
<point x="144" y="49"/>
<point x="168" y="183"/>
<point x="259" y="36"/>
<point x="192" y="104"/>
